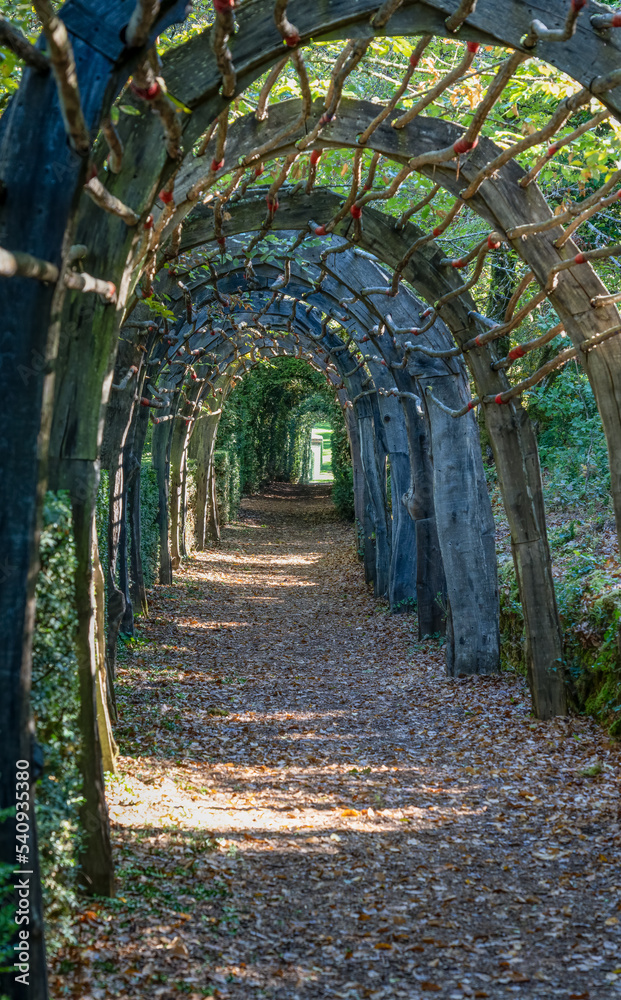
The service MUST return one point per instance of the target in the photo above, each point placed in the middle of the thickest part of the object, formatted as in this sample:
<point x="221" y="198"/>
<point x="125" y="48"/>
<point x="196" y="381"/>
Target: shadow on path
<point x="308" y="808"/>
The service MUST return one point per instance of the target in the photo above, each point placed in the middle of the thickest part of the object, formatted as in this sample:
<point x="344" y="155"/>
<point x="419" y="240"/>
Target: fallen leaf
<point x="178" y="948"/>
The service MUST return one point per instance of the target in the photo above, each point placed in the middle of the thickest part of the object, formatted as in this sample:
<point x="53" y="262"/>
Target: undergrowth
<point x="55" y="700"/>
<point x="588" y="593"/>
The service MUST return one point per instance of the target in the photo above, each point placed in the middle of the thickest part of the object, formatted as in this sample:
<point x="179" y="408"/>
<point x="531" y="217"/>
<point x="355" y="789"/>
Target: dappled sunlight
<point x="306" y="806"/>
<point x="221" y="558"/>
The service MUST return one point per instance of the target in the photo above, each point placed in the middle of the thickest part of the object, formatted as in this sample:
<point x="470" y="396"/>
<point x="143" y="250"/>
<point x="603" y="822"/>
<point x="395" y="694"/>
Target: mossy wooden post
<point x="202" y="448"/>
<point x="177" y="460"/>
<point x="135" y="447"/>
<point x="201" y="451"/>
<point x="96" y="865"/>
<point x="41" y="176"/>
<point x="357" y="471"/>
<point x="105" y="692"/>
<point x="373" y="463"/>
<point x="402" y="585"/>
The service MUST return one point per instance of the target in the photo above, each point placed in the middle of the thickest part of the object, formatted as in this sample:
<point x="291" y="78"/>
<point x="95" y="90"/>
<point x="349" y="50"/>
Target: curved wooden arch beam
<point x="373" y="445"/>
<point x="205" y="481"/>
<point x="505" y="205"/>
<point x="465" y="504"/>
<point x="257" y="46"/>
<point x="367" y="413"/>
<point x="511" y="434"/>
<point x="459" y="518"/>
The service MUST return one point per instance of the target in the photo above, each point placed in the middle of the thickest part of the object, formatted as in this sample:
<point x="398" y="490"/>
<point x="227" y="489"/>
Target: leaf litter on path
<point x="308" y="808"/>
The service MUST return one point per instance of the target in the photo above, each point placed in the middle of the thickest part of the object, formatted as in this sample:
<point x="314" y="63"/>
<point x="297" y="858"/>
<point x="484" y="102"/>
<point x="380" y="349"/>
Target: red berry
<point x="315" y="156"/>
<point x="356" y="211"/>
<point x="464" y="146"/>
<point x="166" y="196"/>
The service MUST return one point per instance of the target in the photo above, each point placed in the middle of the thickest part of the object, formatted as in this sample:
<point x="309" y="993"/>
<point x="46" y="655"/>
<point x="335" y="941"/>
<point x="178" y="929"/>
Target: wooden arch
<point x="511" y="434"/>
<point x="500" y="201"/>
<point x="461" y="508"/>
<point x="42" y="177"/>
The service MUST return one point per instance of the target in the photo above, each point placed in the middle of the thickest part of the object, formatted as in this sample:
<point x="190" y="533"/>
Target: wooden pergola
<point x="94" y="217"/>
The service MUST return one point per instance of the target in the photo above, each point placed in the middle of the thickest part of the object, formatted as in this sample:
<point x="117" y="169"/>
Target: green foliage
<point x="21" y="16"/>
<point x="101" y="516"/>
<point x="571" y="440"/>
<point x="150" y="533"/>
<point x="226" y="467"/>
<point x="589" y="603"/>
<point x="343" y="491"/>
<point x="268" y="419"/>
<point x="55" y="703"/>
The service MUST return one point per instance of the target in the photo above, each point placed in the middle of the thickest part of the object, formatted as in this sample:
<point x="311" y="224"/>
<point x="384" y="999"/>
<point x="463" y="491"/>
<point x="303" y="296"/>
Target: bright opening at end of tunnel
<point x="321" y="448"/>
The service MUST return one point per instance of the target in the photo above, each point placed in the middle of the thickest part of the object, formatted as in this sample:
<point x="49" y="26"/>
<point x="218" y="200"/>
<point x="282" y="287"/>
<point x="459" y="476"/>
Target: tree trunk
<point x="97" y="870"/>
<point x="105" y="695"/>
<point x="373" y="463"/>
<point x="116" y="598"/>
<point x="127" y="622"/>
<point x="202" y="448"/>
<point x="519" y="477"/>
<point x="134" y="450"/>
<point x="177" y="461"/>
<point x="467" y="537"/>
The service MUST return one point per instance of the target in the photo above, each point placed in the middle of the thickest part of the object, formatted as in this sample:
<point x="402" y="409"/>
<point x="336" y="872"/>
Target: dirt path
<point x="309" y="809"/>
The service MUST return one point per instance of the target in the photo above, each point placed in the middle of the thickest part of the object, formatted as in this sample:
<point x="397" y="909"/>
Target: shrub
<point x="226" y="468"/>
<point x="55" y="699"/>
<point x="149" y="527"/>
<point x="343" y="491"/>
<point x="589" y="604"/>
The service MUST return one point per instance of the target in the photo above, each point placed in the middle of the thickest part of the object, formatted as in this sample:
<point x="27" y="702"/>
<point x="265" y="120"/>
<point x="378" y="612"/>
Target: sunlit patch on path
<point x="308" y="808"/>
